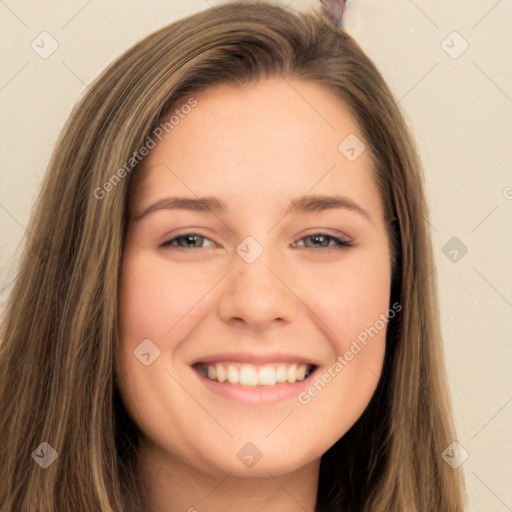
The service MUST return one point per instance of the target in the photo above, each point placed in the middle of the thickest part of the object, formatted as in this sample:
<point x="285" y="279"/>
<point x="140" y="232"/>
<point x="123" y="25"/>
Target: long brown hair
<point x="60" y="329"/>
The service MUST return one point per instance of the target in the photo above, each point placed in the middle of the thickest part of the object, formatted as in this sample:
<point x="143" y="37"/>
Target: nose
<point x="258" y="294"/>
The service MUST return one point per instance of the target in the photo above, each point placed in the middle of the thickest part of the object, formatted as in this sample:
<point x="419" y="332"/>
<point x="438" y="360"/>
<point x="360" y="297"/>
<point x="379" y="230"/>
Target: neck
<point x="174" y="486"/>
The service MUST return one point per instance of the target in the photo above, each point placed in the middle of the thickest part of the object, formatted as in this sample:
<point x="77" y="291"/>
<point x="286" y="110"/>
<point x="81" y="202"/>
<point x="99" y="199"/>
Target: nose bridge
<point x="257" y="292"/>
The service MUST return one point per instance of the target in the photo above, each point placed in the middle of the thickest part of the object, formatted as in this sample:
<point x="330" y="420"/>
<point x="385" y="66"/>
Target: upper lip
<point x="255" y="358"/>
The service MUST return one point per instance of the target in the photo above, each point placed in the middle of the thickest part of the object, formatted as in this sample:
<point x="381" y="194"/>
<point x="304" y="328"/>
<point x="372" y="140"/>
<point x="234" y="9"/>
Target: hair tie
<point x="334" y="10"/>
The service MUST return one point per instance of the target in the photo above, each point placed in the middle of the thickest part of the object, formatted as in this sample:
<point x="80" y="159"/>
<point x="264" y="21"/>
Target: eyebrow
<point x="305" y="204"/>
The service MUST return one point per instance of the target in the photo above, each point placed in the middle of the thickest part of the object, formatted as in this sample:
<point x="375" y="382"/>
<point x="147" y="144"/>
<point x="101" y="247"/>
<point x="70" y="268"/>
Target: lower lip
<point x="256" y="394"/>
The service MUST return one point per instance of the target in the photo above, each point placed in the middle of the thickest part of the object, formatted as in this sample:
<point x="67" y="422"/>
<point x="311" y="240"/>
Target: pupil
<point x="191" y="239"/>
<point x="316" y="238"/>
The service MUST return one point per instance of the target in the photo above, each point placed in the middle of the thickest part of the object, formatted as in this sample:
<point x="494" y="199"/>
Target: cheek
<point x="351" y="298"/>
<point x="158" y="304"/>
<point x="353" y="304"/>
<point x="155" y="298"/>
<point x="155" y="303"/>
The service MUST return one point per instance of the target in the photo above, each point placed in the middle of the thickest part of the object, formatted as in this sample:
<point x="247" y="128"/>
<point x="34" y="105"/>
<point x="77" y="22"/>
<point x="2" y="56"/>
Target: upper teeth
<point x="255" y="375"/>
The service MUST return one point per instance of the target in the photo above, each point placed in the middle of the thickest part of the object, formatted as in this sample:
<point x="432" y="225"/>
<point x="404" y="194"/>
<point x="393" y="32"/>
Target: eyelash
<point x="339" y="243"/>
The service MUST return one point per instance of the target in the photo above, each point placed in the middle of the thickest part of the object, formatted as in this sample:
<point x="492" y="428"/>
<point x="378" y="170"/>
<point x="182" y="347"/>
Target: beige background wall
<point x="458" y="104"/>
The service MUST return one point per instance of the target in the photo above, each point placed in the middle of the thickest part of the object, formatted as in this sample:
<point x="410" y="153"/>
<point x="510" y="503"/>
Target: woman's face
<point x="241" y="286"/>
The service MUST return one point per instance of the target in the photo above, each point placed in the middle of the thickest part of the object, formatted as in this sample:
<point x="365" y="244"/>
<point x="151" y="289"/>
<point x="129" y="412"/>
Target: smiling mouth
<point x="251" y="375"/>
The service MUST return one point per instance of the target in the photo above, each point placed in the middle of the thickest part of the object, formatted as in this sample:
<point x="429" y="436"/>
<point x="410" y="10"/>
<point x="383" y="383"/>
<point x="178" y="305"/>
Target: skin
<point x="256" y="147"/>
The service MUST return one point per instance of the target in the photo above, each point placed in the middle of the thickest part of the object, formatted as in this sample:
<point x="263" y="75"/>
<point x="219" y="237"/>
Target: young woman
<point x="226" y="301"/>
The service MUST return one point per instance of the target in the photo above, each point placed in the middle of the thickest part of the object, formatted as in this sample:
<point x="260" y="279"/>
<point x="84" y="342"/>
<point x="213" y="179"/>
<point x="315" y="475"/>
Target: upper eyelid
<point x="337" y="238"/>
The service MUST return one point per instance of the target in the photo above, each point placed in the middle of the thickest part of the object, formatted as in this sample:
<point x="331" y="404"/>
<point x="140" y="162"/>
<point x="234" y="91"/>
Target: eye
<point x="314" y="241"/>
<point x="189" y="238"/>
<point x="322" y="238"/>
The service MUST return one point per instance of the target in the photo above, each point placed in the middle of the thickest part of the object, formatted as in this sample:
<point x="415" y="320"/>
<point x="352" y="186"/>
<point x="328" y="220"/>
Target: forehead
<point x="259" y="142"/>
